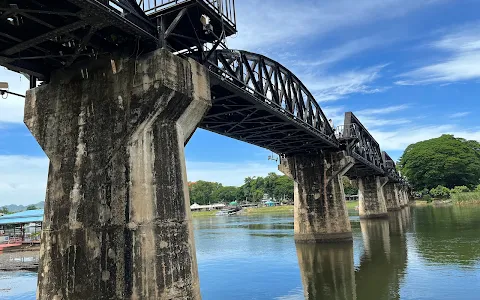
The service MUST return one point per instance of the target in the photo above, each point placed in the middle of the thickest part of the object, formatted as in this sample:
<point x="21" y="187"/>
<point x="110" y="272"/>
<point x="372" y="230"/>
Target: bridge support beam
<point x="371" y="198"/>
<point x="117" y="222"/>
<point x="320" y="213"/>
<point x="391" y="197"/>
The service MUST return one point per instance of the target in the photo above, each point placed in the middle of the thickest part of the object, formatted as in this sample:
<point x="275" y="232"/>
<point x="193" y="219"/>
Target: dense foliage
<point x="349" y="186"/>
<point x="275" y="186"/>
<point x="440" y="192"/>
<point x="445" y="161"/>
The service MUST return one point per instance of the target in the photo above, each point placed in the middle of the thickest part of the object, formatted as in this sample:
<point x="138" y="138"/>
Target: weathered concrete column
<point x="371" y="198"/>
<point x="398" y="194"/>
<point x="391" y="197"/>
<point x="320" y="213"/>
<point x="401" y="193"/>
<point x="327" y="271"/>
<point x="117" y="222"/>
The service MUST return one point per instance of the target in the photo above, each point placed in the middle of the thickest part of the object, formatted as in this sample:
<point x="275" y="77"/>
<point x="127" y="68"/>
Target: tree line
<point x="253" y="190"/>
<point x="276" y="187"/>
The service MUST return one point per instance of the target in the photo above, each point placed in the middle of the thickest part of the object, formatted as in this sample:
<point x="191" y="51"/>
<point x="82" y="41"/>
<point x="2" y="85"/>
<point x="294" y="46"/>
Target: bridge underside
<point x="240" y="115"/>
<point x="37" y="37"/>
<point x="363" y="168"/>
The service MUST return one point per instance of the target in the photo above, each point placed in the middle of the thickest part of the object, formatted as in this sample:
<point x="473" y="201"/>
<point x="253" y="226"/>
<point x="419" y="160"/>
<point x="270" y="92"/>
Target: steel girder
<point x="361" y="145"/>
<point x="273" y="102"/>
<point x="390" y="168"/>
<point x="40" y="36"/>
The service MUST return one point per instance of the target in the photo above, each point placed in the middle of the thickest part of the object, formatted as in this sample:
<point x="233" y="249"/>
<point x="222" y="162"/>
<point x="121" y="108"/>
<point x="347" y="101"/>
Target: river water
<point x="418" y="253"/>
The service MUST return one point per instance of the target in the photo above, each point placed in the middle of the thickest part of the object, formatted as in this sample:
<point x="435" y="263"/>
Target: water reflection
<point x="328" y="272"/>
<point x="384" y="261"/>
<point x="448" y="235"/>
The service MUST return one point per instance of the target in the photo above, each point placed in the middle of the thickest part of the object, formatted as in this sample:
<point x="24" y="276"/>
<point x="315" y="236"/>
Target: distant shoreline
<point x="285" y="209"/>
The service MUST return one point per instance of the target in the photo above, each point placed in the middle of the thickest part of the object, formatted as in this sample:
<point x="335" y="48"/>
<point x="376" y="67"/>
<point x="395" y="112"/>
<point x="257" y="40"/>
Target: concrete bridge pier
<point x="371" y="198"/>
<point x="402" y="196"/>
<point x="391" y="197"/>
<point x="117" y="221"/>
<point x="398" y="194"/>
<point x="320" y="212"/>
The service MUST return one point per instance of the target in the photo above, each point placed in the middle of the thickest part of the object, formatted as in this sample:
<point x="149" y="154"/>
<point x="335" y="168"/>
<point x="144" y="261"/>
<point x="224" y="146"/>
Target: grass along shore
<point x="466" y="198"/>
<point x="285" y="209"/>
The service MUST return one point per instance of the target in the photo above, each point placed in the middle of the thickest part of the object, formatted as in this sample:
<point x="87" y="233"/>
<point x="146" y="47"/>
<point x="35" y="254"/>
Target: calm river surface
<point x="419" y="253"/>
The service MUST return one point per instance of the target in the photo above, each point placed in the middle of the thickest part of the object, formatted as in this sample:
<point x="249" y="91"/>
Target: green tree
<point x="440" y="192"/>
<point x="446" y="161"/>
<point x="283" y="188"/>
<point x="226" y="194"/>
<point x="349" y="187"/>
<point x="459" y="189"/>
<point x="31" y="207"/>
<point x="4" y="210"/>
<point x="202" y="192"/>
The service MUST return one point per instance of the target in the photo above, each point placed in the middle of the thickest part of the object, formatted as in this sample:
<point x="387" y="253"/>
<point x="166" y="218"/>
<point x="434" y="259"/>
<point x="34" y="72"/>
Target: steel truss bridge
<point x="255" y="99"/>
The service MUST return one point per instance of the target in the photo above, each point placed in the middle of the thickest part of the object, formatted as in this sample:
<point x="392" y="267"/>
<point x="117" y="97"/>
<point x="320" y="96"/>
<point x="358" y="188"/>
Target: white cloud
<point x="229" y="174"/>
<point x="460" y="114"/>
<point x="402" y="137"/>
<point x="382" y="110"/>
<point x="22" y="179"/>
<point x="333" y="87"/>
<point x="342" y="52"/>
<point x="461" y="54"/>
<point x="266" y="23"/>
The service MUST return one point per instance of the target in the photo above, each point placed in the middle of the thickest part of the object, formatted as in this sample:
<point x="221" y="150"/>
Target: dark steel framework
<point x="255" y="99"/>
<point x="39" y="36"/>
<point x="390" y="168"/>
<point x="361" y="145"/>
<point x="259" y="101"/>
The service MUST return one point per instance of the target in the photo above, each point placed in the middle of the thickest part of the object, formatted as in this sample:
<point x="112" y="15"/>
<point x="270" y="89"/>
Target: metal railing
<point x="226" y="8"/>
<point x="346" y="132"/>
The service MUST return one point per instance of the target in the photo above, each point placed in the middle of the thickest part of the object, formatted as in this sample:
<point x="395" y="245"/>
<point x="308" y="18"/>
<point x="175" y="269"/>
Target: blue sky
<point x="409" y="69"/>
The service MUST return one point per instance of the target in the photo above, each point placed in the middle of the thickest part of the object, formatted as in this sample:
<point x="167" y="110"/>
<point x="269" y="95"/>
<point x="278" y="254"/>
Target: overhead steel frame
<point x="39" y="36"/>
<point x="261" y="102"/>
<point x="390" y="168"/>
<point x="361" y="145"/>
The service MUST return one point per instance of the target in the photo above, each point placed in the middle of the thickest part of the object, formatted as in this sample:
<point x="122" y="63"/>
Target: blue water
<point x="422" y="253"/>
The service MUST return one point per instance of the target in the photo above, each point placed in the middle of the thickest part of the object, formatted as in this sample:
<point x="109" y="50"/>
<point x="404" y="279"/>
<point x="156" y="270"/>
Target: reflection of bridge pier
<point x="384" y="261"/>
<point x="327" y="271"/>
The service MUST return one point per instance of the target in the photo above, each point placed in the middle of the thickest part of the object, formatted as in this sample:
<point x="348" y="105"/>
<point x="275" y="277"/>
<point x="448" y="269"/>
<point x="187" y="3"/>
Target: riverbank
<point x="284" y="209"/>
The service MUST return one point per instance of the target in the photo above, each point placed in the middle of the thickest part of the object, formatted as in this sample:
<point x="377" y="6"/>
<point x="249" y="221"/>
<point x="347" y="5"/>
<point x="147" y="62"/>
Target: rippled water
<point x="419" y="253"/>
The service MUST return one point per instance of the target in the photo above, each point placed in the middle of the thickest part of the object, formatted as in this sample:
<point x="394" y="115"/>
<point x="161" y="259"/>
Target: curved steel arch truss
<point x="263" y="99"/>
